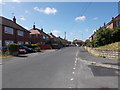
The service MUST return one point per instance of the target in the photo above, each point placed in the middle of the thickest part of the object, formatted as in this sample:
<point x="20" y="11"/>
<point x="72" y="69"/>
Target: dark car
<point x="4" y="49"/>
<point x="28" y="50"/>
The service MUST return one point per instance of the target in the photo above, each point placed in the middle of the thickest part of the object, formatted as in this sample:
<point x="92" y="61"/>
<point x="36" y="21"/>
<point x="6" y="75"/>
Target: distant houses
<point x="115" y="22"/>
<point x="38" y="36"/>
<point x="11" y="32"/>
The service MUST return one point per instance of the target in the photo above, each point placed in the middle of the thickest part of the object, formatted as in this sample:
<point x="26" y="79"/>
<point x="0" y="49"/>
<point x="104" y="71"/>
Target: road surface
<point x="62" y="68"/>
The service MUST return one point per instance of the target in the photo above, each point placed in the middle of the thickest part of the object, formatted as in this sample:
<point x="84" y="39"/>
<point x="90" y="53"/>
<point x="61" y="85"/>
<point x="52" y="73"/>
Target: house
<point x="92" y="37"/>
<point x="115" y="22"/>
<point x="55" y="42"/>
<point x="79" y="42"/>
<point x="38" y="36"/>
<point x="12" y="32"/>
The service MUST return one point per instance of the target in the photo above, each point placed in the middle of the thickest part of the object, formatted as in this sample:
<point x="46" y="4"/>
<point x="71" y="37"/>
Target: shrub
<point x="37" y="49"/>
<point x="13" y="49"/>
<point x="35" y="45"/>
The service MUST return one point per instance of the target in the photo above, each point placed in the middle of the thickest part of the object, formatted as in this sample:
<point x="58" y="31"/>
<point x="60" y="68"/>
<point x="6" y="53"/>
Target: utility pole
<point x="65" y="36"/>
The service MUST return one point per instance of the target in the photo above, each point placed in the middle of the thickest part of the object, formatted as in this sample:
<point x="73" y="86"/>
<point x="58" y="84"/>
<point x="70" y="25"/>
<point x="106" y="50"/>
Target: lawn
<point x="115" y="46"/>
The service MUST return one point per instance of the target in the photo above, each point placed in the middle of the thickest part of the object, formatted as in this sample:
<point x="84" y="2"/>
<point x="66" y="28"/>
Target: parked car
<point x="26" y="49"/>
<point x="4" y="49"/>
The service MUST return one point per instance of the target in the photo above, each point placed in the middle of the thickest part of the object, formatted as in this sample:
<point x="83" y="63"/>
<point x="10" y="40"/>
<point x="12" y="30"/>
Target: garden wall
<point x="107" y="53"/>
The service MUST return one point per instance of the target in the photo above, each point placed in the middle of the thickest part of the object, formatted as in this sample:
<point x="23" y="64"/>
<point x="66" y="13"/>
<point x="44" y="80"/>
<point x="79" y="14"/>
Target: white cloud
<point x="22" y="18"/>
<point x="47" y="10"/>
<point x="18" y="1"/>
<point x="2" y="3"/>
<point x="56" y="32"/>
<point x="80" y="18"/>
<point x="95" y="18"/>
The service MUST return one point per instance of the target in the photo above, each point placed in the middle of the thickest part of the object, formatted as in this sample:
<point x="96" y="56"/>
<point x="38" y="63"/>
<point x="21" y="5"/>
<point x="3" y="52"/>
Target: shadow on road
<point x="103" y="71"/>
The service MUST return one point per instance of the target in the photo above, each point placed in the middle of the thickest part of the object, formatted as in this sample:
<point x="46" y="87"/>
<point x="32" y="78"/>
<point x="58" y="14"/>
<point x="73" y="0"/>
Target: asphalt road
<point x="58" y="69"/>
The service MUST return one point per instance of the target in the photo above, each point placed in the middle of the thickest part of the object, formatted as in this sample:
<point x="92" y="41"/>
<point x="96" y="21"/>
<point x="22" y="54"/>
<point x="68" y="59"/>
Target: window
<point x="8" y="42"/>
<point x="20" y="42"/>
<point x="118" y="23"/>
<point x="44" y="37"/>
<point x="36" y="35"/>
<point x="26" y="43"/>
<point x="8" y="30"/>
<point x="20" y="33"/>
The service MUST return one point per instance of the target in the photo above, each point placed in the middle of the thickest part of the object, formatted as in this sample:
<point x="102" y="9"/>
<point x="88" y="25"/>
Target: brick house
<point x="115" y="22"/>
<point x="55" y="41"/>
<point x="38" y="36"/>
<point x="92" y="37"/>
<point x="12" y="32"/>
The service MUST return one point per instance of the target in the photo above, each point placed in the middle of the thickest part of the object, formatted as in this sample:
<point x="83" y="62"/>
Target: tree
<point x="116" y="34"/>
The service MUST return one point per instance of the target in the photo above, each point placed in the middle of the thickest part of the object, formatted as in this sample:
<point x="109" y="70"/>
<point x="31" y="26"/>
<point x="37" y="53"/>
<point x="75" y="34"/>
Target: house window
<point x="20" y="33"/>
<point x="20" y="42"/>
<point x="8" y="30"/>
<point x="8" y="42"/>
<point x="118" y="23"/>
<point x="26" y="43"/>
<point x="44" y="37"/>
<point x="36" y="35"/>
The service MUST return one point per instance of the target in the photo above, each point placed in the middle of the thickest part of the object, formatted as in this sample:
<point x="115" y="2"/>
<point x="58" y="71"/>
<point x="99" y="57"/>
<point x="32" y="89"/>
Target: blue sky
<point x="74" y="18"/>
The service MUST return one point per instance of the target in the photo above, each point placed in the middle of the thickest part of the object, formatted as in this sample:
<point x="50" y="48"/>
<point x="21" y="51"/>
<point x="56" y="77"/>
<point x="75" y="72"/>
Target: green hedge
<point x="13" y="49"/>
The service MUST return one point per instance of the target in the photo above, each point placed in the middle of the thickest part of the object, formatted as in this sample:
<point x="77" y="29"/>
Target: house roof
<point x="38" y="31"/>
<point x="35" y="31"/>
<point x="114" y="18"/>
<point x="7" y="22"/>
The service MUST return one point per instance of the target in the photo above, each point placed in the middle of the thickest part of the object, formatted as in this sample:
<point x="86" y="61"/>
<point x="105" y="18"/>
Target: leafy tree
<point x="116" y="34"/>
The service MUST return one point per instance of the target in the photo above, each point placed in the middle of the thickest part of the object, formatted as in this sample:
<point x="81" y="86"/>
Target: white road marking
<point x="74" y="68"/>
<point x="77" y="53"/>
<point x="70" y="87"/>
<point x="76" y="61"/>
<point x="0" y="63"/>
<point x="71" y="79"/>
<point x="73" y="72"/>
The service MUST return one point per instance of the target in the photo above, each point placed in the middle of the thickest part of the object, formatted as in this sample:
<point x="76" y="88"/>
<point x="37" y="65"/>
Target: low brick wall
<point x="107" y="53"/>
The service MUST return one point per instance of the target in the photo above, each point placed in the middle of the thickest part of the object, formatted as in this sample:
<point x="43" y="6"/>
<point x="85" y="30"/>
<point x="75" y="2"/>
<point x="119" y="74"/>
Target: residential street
<point x="64" y="68"/>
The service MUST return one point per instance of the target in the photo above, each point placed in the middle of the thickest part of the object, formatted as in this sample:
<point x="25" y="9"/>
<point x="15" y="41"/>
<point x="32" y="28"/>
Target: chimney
<point x="50" y="33"/>
<point x="42" y="29"/>
<point x="14" y="19"/>
<point x="104" y="24"/>
<point x="112" y="18"/>
<point x="34" y="27"/>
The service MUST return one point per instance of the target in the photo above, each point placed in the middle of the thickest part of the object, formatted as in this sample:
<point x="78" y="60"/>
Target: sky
<point x="78" y="19"/>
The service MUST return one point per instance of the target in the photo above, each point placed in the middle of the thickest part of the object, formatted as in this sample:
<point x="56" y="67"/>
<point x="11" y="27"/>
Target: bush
<point x="13" y="49"/>
<point x="35" y="45"/>
<point x="37" y="49"/>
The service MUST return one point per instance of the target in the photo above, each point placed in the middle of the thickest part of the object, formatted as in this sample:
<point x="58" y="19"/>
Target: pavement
<point x="70" y="67"/>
